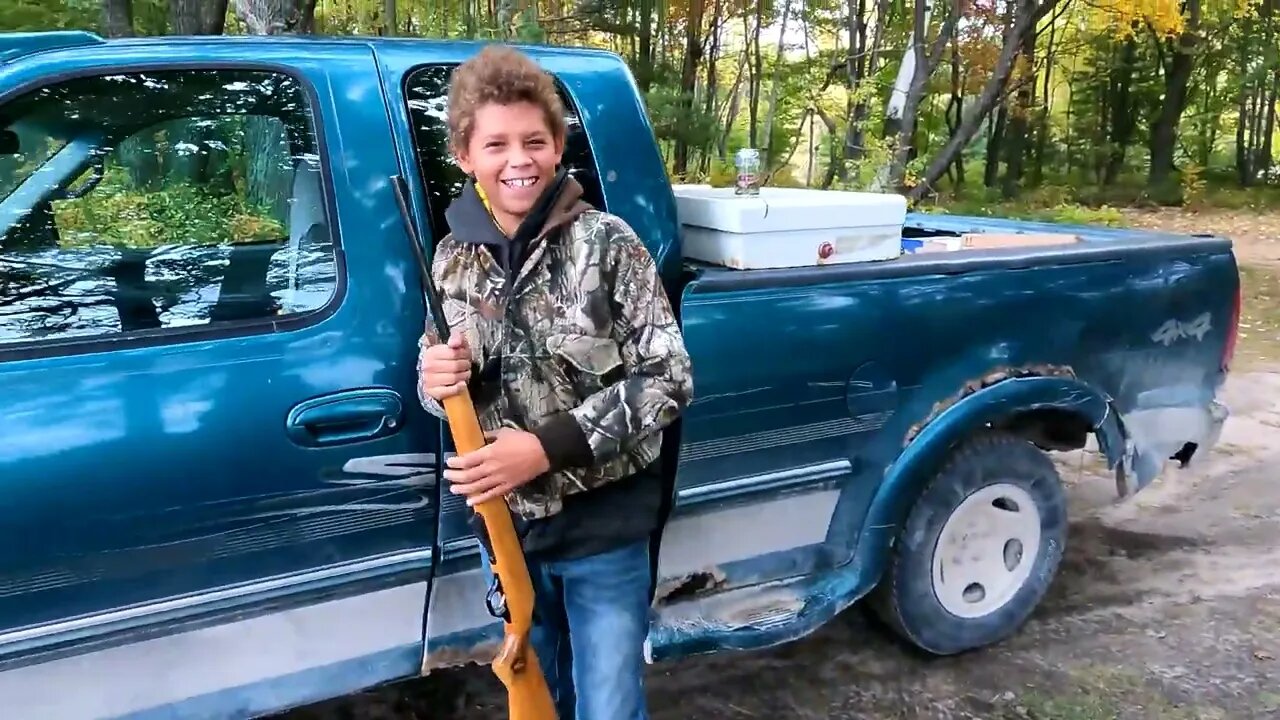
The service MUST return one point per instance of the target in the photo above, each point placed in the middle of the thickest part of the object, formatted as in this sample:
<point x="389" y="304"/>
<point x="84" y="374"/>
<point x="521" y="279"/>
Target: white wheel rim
<point x="986" y="550"/>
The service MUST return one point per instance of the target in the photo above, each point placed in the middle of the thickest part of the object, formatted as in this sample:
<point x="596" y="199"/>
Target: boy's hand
<point x="511" y="459"/>
<point x="446" y="367"/>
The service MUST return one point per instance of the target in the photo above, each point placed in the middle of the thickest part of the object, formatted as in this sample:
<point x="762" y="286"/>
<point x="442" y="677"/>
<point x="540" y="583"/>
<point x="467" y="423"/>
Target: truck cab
<point x="223" y="500"/>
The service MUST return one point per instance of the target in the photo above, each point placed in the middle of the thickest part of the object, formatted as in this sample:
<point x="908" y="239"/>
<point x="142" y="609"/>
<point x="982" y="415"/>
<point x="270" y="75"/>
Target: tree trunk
<point x="773" y="88"/>
<point x="276" y="17"/>
<point x="713" y="59"/>
<point x="1042" y="119"/>
<point x="915" y="92"/>
<point x="925" y="64"/>
<point x="1164" y="134"/>
<point x="955" y="110"/>
<point x="991" y="167"/>
<point x="855" y="70"/>
<point x="1019" y="126"/>
<point x="1255" y="126"/>
<point x="1244" y="171"/>
<point x="388" y="17"/>
<point x="756" y="71"/>
<point x="689" y="79"/>
<point x="644" y="54"/>
<point x="711" y="94"/>
<point x="197" y="17"/>
<point x="833" y="164"/>
<point x="1123" y="111"/>
<point x="1269" y="130"/>
<point x="1028" y="14"/>
<point x="1269" y="127"/>
<point x="995" y="141"/>
<point x="117" y="18"/>
<point x="734" y="105"/>
<point x="855" y="133"/>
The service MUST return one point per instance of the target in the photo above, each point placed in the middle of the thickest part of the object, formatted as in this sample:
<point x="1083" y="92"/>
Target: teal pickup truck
<point x="222" y="499"/>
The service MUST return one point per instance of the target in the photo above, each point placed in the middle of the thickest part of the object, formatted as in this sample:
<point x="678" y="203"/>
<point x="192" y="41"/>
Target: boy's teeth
<point x="524" y="182"/>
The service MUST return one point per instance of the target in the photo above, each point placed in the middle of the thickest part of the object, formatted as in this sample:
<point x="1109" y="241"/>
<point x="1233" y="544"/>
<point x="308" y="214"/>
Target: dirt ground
<point x="1167" y="605"/>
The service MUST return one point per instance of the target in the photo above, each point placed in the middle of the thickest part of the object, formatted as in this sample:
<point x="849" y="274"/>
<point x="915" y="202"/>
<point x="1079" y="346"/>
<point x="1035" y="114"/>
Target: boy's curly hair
<point x="503" y="75"/>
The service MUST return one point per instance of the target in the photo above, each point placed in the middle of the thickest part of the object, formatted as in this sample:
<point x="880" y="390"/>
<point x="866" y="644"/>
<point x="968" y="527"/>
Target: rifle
<point x="511" y="596"/>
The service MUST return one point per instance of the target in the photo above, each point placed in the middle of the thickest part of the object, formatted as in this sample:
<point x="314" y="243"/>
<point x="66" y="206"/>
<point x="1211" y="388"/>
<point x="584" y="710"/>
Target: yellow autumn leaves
<point x="1164" y="17"/>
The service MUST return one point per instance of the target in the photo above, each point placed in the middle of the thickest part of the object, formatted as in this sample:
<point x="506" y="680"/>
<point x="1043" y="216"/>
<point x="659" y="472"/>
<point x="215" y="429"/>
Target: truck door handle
<point x="344" y="417"/>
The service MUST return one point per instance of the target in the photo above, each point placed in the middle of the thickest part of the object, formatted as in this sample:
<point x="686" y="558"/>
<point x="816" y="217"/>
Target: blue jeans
<point x="589" y="632"/>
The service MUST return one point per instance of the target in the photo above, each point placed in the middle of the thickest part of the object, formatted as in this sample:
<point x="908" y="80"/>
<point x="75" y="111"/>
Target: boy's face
<point x="513" y="157"/>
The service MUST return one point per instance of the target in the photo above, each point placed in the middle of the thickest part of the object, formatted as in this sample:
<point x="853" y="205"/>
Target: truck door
<point x="211" y="439"/>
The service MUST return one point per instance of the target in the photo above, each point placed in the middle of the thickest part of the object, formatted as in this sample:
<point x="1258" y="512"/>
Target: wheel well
<point x="1049" y="428"/>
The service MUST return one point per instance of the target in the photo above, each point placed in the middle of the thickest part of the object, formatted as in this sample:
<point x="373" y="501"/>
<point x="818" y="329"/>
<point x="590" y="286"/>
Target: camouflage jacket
<point x="581" y="348"/>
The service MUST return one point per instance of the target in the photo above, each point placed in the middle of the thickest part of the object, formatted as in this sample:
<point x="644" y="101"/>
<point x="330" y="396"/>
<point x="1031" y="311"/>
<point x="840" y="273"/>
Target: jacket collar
<point x="472" y="222"/>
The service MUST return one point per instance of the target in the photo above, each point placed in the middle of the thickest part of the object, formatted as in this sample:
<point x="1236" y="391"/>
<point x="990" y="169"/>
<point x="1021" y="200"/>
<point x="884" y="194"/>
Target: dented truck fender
<point x="930" y="444"/>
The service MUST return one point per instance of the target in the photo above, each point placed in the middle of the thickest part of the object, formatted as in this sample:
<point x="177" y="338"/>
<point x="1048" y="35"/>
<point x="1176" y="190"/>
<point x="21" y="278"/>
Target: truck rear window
<point x="427" y="93"/>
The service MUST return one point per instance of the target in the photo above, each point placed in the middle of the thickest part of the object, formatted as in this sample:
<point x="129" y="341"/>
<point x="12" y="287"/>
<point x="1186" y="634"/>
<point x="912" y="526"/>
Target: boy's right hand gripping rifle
<point x="511" y="599"/>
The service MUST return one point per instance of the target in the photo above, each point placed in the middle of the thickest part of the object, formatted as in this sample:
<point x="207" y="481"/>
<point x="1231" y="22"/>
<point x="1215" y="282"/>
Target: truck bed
<point x="1096" y="244"/>
<point x="1143" y="321"/>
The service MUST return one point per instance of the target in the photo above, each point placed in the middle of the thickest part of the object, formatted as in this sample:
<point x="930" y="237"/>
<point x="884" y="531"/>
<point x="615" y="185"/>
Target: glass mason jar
<point x="747" y="161"/>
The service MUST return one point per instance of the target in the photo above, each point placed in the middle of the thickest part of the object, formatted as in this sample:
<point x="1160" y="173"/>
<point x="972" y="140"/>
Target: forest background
<point x="1066" y="110"/>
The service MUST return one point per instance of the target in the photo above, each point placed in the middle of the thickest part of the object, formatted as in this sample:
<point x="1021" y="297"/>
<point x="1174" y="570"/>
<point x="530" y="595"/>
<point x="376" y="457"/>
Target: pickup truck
<point x="222" y="498"/>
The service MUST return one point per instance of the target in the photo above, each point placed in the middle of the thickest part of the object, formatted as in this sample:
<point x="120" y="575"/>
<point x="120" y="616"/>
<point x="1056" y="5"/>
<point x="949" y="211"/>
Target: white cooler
<point x="788" y="227"/>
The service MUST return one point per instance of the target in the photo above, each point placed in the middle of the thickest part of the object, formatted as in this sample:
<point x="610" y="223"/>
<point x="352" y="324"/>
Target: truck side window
<point x="427" y="95"/>
<point x="149" y="201"/>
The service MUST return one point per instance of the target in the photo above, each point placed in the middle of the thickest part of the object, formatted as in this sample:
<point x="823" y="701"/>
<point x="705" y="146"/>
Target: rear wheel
<point x="979" y="549"/>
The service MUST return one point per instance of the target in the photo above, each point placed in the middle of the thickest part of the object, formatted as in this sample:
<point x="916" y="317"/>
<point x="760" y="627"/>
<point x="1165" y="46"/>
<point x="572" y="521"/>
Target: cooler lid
<point x="781" y="209"/>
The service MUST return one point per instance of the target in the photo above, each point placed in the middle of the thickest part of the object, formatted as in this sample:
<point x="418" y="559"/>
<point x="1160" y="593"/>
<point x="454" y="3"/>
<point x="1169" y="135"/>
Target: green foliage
<point x="1050" y="203"/>
<point x="115" y="213"/>
<point x="527" y="28"/>
<point x="34" y="15"/>
<point x="675" y="121"/>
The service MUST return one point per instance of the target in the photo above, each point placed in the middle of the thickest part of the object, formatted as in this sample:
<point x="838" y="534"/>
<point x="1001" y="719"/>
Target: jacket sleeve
<point x="430" y="336"/>
<point x="657" y="382"/>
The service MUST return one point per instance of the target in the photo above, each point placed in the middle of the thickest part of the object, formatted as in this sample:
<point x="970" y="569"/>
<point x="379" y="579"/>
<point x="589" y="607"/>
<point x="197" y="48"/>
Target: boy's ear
<point x="464" y="161"/>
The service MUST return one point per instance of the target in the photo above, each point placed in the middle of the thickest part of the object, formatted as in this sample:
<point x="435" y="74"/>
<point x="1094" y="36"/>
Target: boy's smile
<point x="513" y="156"/>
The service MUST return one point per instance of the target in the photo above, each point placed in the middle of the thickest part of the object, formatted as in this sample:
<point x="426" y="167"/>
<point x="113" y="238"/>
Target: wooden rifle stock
<point x="516" y="664"/>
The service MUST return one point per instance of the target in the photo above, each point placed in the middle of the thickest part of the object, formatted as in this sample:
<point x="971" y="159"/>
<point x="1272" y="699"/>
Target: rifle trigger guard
<point x="496" y="602"/>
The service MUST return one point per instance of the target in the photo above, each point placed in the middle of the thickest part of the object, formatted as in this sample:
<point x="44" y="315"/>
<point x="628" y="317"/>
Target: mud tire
<point x="906" y="599"/>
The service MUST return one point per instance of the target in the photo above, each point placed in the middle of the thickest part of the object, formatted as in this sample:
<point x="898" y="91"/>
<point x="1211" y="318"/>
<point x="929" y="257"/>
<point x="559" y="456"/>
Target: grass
<point x="1101" y="692"/>
<point x="1046" y="204"/>
<point x="1083" y="201"/>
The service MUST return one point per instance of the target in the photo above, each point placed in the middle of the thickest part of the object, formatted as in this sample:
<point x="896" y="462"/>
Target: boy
<point x="567" y="341"/>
